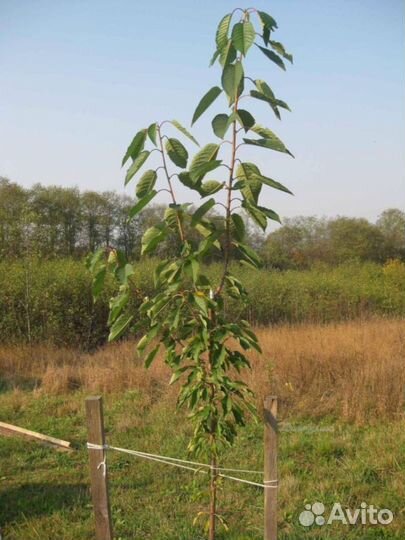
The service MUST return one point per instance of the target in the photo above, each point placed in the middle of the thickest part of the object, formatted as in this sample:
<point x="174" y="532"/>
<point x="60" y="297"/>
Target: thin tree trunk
<point x="214" y="463"/>
<point x="27" y="300"/>
<point x="213" y="498"/>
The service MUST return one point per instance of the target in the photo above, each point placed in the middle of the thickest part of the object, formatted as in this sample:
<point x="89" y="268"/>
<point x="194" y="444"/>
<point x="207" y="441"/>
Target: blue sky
<point x="79" y="78"/>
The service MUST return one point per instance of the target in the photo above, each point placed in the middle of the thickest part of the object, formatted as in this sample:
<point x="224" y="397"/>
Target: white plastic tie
<point x="103" y="464"/>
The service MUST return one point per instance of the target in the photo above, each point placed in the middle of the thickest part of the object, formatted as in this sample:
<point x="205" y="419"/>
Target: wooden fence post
<point x="270" y="468"/>
<point x="98" y="474"/>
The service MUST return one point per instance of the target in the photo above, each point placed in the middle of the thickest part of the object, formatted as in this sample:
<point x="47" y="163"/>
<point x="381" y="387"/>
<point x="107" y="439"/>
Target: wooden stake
<point x="98" y="474"/>
<point x="270" y="467"/>
<point x="8" y="430"/>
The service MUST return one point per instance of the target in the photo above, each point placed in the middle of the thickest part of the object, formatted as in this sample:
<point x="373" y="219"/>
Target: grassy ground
<point x="342" y="439"/>
<point x="44" y="494"/>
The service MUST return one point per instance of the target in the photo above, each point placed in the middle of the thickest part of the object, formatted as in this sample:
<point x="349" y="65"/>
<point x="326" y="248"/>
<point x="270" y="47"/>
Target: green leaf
<point x="151" y="356"/>
<point x="118" y="258"/>
<point x="251" y="186"/>
<point x="238" y="415"/>
<point x="201" y="302"/>
<point x="208" y="153"/>
<point x="258" y="95"/>
<point x="187" y="181"/>
<point x="135" y="147"/>
<point x="124" y="272"/>
<point x="120" y="326"/>
<point x="185" y="132"/>
<point x="271" y="214"/>
<point x="94" y="259"/>
<point x="152" y="129"/>
<point x="273" y="57"/>
<point x="265" y="89"/>
<point x="214" y="57"/>
<point x="152" y="237"/>
<point x="228" y="54"/>
<point x="206" y="227"/>
<point x="266" y="133"/>
<point x="192" y="268"/>
<point x="267" y="20"/>
<point x="205" y="102"/>
<point x="209" y="239"/>
<point x="210" y="187"/>
<point x="177" y="374"/>
<point x="220" y="125"/>
<point x="227" y="404"/>
<point x="269" y="140"/>
<point x="177" y="152"/>
<point x="140" y="205"/>
<point x="204" y="168"/>
<point x="146" y="183"/>
<point x="266" y="35"/>
<point x="256" y="214"/>
<point x="176" y="319"/>
<point x="279" y="47"/>
<point x="238" y="227"/>
<point x="268" y="143"/>
<point x="201" y="211"/>
<point x="98" y="281"/>
<point x="147" y="338"/>
<point x="249" y="254"/>
<point x="282" y="104"/>
<point x="117" y="304"/>
<point x="265" y="93"/>
<point x="243" y="36"/>
<point x="195" y="268"/>
<point x="221" y="37"/>
<point x="232" y="77"/>
<point x="171" y="217"/>
<point x="245" y="119"/>
<point x="236" y="290"/>
<point x="136" y="165"/>
<point x="272" y="183"/>
<point x="269" y="100"/>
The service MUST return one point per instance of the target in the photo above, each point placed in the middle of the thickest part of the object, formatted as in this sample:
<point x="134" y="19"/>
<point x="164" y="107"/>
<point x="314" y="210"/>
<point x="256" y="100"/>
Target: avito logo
<point x="366" y="514"/>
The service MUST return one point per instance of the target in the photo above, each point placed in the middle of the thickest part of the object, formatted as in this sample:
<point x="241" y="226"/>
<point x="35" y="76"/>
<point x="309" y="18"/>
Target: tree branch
<point x="179" y="223"/>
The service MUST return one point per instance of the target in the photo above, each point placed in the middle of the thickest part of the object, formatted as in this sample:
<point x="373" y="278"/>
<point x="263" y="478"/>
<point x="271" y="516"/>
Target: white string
<point x="266" y="484"/>
<point x="175" y="462"/>
<point x="167" y="458"/>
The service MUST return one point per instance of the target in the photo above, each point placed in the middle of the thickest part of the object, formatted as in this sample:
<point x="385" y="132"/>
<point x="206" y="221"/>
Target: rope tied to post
<point x="103" y="464"/>
<point x="194" y="466"/>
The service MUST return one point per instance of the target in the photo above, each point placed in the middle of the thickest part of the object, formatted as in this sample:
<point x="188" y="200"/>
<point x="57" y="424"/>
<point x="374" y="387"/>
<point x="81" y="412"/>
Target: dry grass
<point x="57" y="371"/>
<point x="354" y="370"/>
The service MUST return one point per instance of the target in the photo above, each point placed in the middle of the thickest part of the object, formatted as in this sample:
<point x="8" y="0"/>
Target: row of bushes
<point x="51" y="300"/>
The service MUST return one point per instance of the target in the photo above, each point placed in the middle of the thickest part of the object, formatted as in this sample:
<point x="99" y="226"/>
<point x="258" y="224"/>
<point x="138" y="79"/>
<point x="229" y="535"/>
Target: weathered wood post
<point x="98" y="474"/>
<point x="270" y="468"/>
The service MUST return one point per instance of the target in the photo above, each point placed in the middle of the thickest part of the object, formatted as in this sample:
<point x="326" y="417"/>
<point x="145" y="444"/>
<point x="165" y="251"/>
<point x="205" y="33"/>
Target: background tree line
<point x="53" y="221"/>
<point x="303" y="241"/>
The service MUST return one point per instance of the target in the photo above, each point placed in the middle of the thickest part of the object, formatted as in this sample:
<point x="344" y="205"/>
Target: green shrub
<point x="51" y="300"/>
